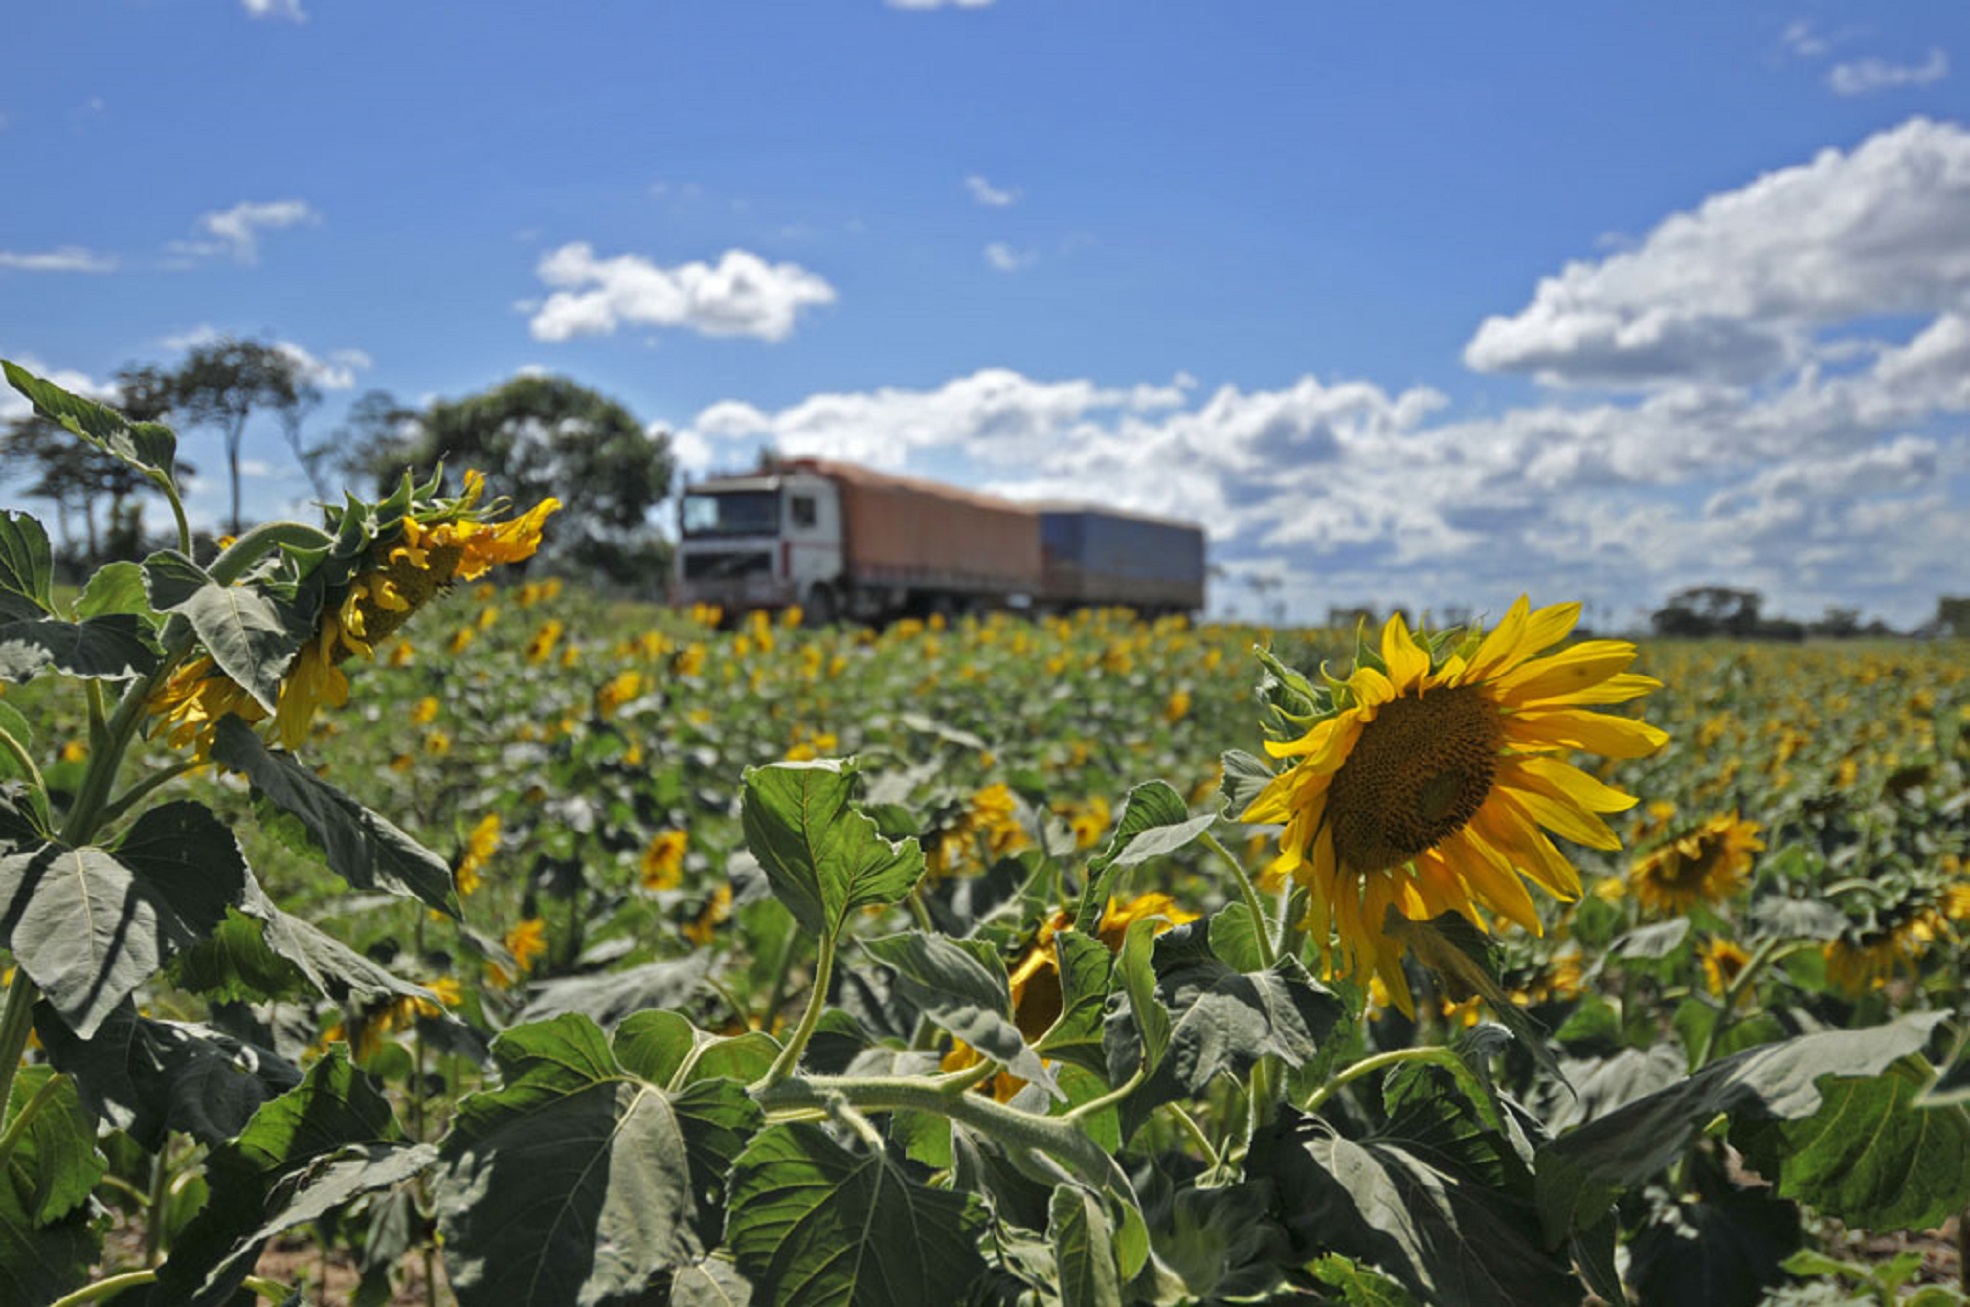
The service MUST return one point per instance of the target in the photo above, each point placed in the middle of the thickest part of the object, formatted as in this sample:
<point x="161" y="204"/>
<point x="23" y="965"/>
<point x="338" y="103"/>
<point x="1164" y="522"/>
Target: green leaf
<point x="1145" y="1016"/>
<point x="1221" y="1241"/>
<point x="14" y="725"/>
<point x="321" y="1187"/>
<point x="54" y="1164"/>
<point x="709" y="1282"/>
<point x="811" y="1223"/>
<point x="1244" y="777"/>
<point x="41" y="1263"/>
<point x="330" y="966"/>
<point x="1227" y="1020"/>
<point x="1360" y="1286"/>
<point x="822" y="857"/>
<point x="1234" y="938"/>
<point x="1083" y="1249"/>
<point x="148" y="1077"/>
<point x="653" y="1045"/>
<point x="190" y="858"/>
<point x="1405" y="1210"/>
<point x="1871" y="1158"/>
<point x="363" y="848"/>
<point x="251" y="634"/>
<point x="87" y="931"/>
<point x="961" y="986"/>
<point x="613" y="996"/>
<point x="1580" y="1173"/>
<point x="334" y="1106"/>
<point x="114" y="647"/>
<point x="577" y="1182"/>
<point x="1155" y="822"/>
<point x="147" y="446"/>
<point x="27" y="569"/>
<point x="115" y="588"/>
<point x="742" y="1058"/>
<point x="1085" y="966"/>
<point x="1729" y="1248"/>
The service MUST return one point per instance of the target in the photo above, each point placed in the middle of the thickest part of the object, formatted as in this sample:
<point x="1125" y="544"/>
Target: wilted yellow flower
<point x="424" y="711"/>
<point x="663" y="860"/>
<point x="1431" y="788"/>
<point x="461" y="640"/>
<point x="400" y="573"/>
<point x="1177" y="706"/>
<point x="437" y="744"/>
<point x="716" y="909"/>
<point x="74" y="750"/>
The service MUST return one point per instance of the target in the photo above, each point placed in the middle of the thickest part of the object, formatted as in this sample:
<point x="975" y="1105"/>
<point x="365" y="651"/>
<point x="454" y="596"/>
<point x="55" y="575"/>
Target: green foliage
<point x="814" y="1222"/>
<point x="823" y="858"/>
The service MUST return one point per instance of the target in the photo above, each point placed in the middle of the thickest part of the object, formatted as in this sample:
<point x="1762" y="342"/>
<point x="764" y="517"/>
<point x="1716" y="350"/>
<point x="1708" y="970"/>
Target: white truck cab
<point x="767" y="541"/>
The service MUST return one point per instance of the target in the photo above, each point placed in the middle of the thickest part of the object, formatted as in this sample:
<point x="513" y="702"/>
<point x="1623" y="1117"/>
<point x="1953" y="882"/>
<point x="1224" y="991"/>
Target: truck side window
<point x="802" y="508"/>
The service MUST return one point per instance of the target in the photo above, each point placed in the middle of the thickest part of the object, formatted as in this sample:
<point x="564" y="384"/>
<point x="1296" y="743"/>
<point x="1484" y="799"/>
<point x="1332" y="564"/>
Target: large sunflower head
<point x="385" y="561"/>
<point x="1706" y="864"/>
<point x="1426" y="781"/>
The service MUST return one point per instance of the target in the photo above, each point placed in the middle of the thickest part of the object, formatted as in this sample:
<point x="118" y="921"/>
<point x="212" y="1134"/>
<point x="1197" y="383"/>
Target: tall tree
<point x="224" y="383"/>
<point x="540" y="436"/>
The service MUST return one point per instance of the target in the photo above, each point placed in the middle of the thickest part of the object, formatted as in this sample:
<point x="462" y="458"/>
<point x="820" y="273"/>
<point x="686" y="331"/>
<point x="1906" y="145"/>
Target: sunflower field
<point x="384" y="923"/>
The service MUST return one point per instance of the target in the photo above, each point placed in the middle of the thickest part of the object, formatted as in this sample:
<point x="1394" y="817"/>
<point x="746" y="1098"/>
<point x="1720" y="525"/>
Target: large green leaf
<point x="86" y="929"/>
<point x="1083" y="1249"/>
<point x="363" y="848"/>
<point x="17" y="729"/>
<point x="1242" y="780"/>
<point x="1872" y="1158"/>
<point x="961" y="986"/>
<point x="251" y="633"/>
<point x="1085" y="966"/>
<point x="823" y="858"/>
<point x="114" y="647"/>
<point x="254" y="1176"/>
<point x="27" y="569"/>
<point x="1227" y="1020"/>
<point x="1155" y="822"/>
<point x="54" y="1164"/>
<point x="612" y="996"/>
<point x="1410" y="1212"/>
<point x="325" y="962"/>
<point x="148" y="446"/>
<point x="1220" y="1241"/>
<point x="576" y="1182"/>
<point x="148" y="1077"/>
<point x="1137" y="1034"/>
<point x="812" y="1223"/>
<point x="115" y="588"/>
<point x="191" y="859"/>
<point x="1580" y="1173"/>
<point x="41" y="1262"/>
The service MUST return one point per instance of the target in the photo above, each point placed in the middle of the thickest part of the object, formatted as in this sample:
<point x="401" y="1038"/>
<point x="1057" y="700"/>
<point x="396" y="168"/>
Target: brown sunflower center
<point x="415" y="584"/>
<point x="1419" y="772"/>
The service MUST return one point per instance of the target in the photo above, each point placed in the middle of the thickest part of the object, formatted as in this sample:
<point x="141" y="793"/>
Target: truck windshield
<point x="734" y="513"/>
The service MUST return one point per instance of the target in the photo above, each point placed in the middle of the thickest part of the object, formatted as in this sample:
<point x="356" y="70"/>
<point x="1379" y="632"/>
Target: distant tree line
<point x="1711" y="611"/>
<point x="532" y="437"/>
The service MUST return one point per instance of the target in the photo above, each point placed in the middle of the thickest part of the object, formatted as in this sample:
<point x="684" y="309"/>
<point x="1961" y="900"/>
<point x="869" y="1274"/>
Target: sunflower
<point x="1723" y="962"/>
<point x="1864" y="958"/>
<point x="417" y="556"/>
<point x="1428" y="779"/>
<point x="1703" y="865"/>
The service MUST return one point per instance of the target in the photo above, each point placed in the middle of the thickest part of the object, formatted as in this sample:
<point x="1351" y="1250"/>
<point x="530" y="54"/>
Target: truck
<point x="843" y="541"/>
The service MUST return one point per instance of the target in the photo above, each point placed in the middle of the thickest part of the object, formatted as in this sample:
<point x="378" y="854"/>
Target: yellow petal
<point x="1562" y="780"/>
<point x="1567" y="672"/>
<point x="1613" y="737"/>
<point x="1563" y="817"/>
<point x="1407" y="663"/>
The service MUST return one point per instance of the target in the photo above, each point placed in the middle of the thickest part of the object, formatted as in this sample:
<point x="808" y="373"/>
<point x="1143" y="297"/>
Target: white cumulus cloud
<point x="1007" y="259"/>
<point x="67" y="258"/>
<point x="1733" y="291"/>
<point x="741" y="295"/>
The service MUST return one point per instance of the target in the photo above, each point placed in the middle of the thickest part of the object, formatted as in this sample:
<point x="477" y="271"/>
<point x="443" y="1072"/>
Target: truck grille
<point x="709" y="566"/>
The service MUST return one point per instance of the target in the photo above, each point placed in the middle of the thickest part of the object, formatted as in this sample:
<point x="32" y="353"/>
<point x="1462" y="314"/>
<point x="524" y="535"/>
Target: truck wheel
<point x="820" y="608"/>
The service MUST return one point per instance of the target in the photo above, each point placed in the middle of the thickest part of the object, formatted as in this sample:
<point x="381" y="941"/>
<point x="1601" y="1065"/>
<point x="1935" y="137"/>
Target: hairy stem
<point x="1443" y="1057"/>
<point x="817" y="999"/>
<point x="1261" y="928"/>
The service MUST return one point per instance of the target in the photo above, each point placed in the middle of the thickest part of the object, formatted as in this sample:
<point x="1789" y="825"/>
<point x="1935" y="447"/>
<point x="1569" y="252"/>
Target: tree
<point x="538" y="436"/>
<point x="1709" y="610"/>
<point x="222" y="384"/>
<point x="78" y="478"/>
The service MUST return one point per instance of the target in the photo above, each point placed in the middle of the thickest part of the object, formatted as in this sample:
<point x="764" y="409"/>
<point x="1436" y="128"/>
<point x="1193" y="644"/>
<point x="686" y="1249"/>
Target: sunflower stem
<point x="37" y="787"/>
<point x="1443" y="1057"/>
<point x="1197" y="1136"/>
<point x="1768" y="952"/>
<point x="1109" y="1099"/>
<point x="257" y="543"/>
<point x="817" y="999"/>
<point x="15" y="1026"/>
<point x="1261" y="927"/>
<point x="17" y="1127"/>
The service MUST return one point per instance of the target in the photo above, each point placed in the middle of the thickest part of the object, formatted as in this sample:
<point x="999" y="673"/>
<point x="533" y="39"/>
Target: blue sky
<point x="1429" y="306"/>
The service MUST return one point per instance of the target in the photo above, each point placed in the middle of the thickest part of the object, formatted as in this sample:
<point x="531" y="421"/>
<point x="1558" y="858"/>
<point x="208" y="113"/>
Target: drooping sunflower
<point x="1427" y="780"/>
<point x="401" y="563"/>
<point x="1706" y="864"/>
